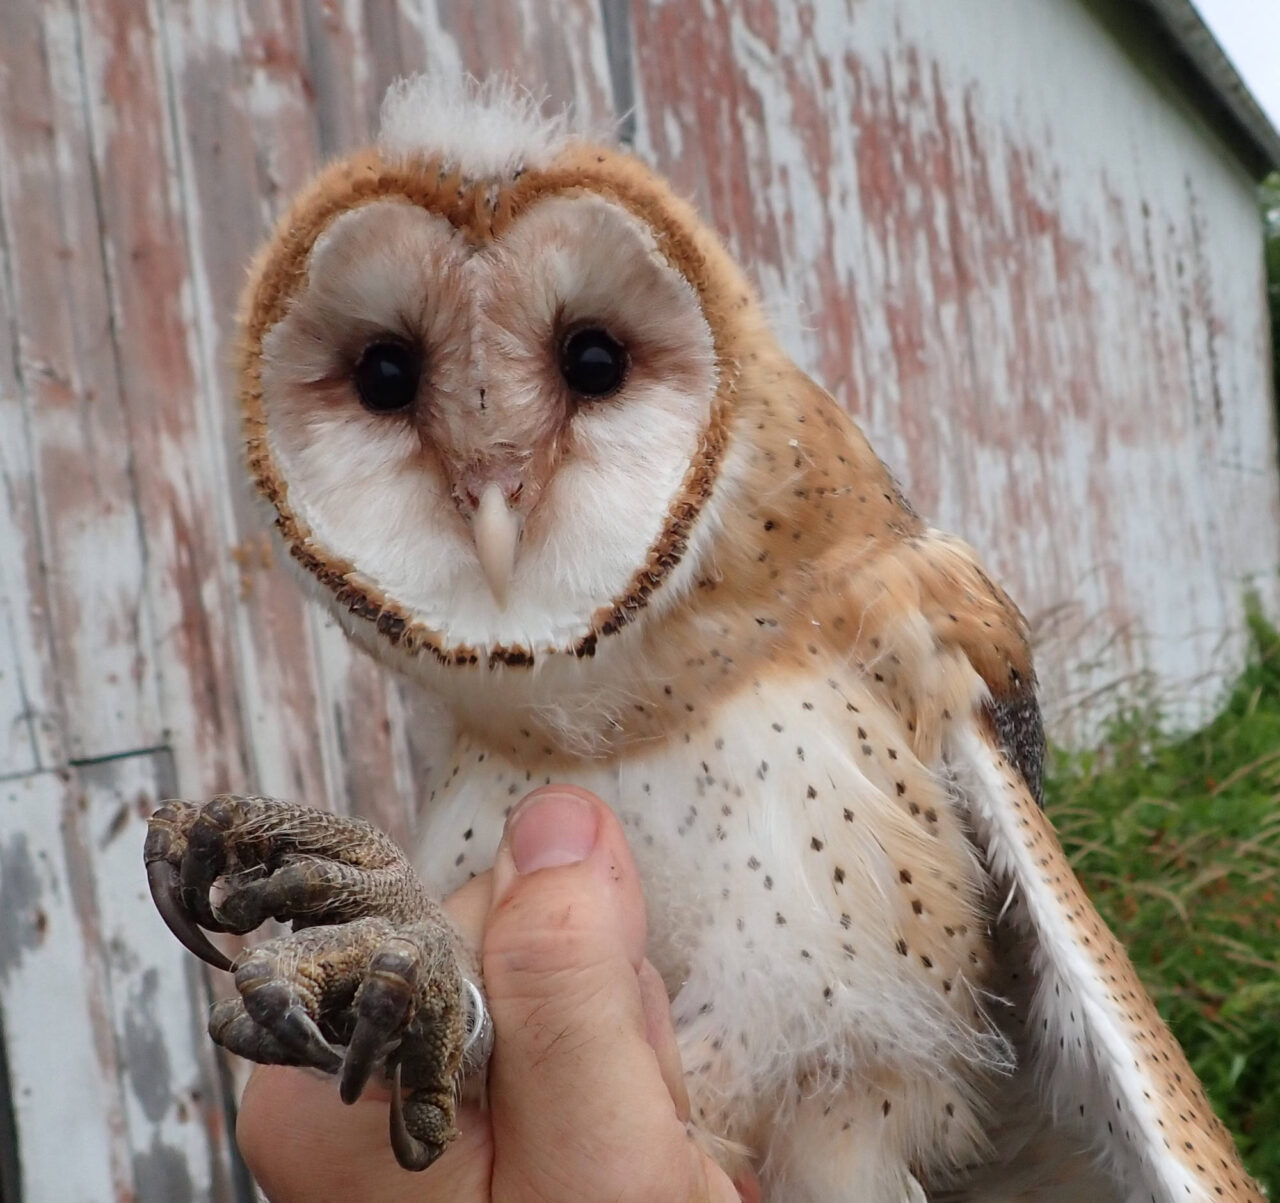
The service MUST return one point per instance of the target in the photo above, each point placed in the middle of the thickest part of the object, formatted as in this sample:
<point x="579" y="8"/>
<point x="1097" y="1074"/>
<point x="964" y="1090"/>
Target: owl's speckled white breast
<point x="813" y="898"/>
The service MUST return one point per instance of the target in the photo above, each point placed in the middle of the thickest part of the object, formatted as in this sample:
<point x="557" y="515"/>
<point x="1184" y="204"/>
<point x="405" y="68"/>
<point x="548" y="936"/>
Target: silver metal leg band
<point x="479" y="1041"/>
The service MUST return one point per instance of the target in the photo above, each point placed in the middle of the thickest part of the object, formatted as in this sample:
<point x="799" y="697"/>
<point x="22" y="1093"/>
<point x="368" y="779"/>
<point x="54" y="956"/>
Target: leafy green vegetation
<point x="1178" y="842"/>
<point x="1269" y="194"/>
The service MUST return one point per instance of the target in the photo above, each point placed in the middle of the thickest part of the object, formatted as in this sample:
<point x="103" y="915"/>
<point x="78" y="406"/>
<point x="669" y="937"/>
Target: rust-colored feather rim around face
<point x="483" y="210"/>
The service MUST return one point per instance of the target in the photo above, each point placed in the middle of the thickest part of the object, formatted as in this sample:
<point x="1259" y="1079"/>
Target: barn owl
<point x="526" y="432"/>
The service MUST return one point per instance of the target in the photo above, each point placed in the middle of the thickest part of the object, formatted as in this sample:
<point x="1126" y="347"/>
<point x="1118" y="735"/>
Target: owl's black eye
<point x="386" y="377"/>
<point x="593" y="362"/>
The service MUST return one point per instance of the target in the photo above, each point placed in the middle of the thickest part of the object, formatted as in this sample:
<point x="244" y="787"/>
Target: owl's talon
<point x="358" y="1064"/>
<point x="372" y="963"/>
<point x="383" y="1007"/>
<point x="411" y="1152"/>
<point x="297" y="1031"/>
<point x="166" y="892"/>
<point x="273" y="1003"/>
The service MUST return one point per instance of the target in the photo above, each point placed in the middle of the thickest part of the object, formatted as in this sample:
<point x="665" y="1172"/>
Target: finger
<point x="661" y="1035"/>
<point x="581" y="1107"/>
<point x="303" y="1145"/>
<point x="564" y="938"/>
<point x="468" y="907"/>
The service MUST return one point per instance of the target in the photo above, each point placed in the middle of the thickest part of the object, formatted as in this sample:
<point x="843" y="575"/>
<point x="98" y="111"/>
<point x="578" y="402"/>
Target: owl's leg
<point x="840" y="1149"/>
<point x="373" y="963"/>
<point x="850" y="1144"/>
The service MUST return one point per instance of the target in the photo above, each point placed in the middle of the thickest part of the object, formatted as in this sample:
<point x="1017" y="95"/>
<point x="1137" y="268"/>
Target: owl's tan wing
<point x="1101" y="1066"/>
<point x="1102" y="1080"/>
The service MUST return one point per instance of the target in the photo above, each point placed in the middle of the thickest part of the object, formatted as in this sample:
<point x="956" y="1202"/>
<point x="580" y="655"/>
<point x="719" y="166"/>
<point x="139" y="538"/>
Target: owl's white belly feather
<point x="813" y="899"/>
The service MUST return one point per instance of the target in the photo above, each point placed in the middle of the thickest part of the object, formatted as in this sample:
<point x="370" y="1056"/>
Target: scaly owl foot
<point x="370" y="976"/>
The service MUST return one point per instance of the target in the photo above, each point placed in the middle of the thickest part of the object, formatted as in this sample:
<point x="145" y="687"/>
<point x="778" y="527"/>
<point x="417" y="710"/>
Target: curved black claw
<point x="297" y="1031"/>
<point x="383" y="1007"/>
<point x="365" y="1051"/>
<point x="411" y="1153"/>
<point x="166" y="892"/>
<point x="274" y="1005"/>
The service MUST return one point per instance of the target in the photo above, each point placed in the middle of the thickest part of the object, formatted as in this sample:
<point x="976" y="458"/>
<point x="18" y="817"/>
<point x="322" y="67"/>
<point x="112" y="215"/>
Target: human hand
<point x="586" y="1091"/>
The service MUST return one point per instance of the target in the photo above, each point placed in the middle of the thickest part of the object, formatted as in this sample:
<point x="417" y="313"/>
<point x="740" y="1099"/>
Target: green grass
<point x="1178" y="842"/>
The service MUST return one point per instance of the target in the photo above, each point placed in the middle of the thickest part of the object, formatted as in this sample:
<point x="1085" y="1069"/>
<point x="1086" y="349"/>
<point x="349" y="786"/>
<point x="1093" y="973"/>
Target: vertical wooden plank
<point x="555" y="49"/>
<point x="20" y="718"/>
<point x="143" y="234"/>
<point x="222" y="186"/>
<point x="74" y="428"/>
<point x="393" y="34"/>
<point x="61" y="1057"/>
<point x="30" y="734"/>
<point x="104" y="1012"/>
<point x="336" y="58"/>
<point x="169" y="1084"/>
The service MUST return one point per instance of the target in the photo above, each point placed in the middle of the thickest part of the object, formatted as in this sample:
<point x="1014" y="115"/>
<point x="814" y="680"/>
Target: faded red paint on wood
<point x="1024" y="266"/>
<point x="1021" y="266"/>
<point x="77" y="445"/>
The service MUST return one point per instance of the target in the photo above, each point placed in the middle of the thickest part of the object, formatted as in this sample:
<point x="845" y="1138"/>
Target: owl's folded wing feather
<point x="1108" y="1074"/>
<point x="1101" y="1079"/>
<point x="1104" y="1094"/>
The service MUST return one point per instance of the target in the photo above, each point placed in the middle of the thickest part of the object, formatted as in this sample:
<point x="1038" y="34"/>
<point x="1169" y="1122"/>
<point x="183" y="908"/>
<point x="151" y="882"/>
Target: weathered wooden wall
<point x="1000" y="235"/>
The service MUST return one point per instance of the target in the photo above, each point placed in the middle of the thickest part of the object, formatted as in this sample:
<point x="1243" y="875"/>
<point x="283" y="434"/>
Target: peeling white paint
<point x="156" y="996"/>
<point x="61" y="1076"/>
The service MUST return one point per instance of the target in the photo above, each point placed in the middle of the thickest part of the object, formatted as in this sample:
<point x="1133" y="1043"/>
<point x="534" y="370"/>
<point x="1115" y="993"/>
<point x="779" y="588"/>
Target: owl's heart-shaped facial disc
<point x="490" y="434"/>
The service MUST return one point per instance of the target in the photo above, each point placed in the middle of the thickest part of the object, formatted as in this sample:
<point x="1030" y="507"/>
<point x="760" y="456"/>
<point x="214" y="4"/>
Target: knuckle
<point x="533" y="940"/>
<point x="625" y="1171"/>
<point x="167" y="831"/>
<point x="255" y="973"/>
<point x="385" y="1001"/>
<point x="397" y="959"/>
<point x="225" y="1013"/>
<point x="222" y="812"/>
<point x="174" y="813"/>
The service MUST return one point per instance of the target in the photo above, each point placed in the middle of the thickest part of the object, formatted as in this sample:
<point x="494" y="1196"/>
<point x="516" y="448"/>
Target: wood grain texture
<point x="53" y="990"/>
<point x="1010" y="246"/>
<point x="71" y="428"/>
<point x="171" y="1082"/>
<point x="1014" y="252"/>
<point x="115" y="1087"/>
<point x="29" y="719"/>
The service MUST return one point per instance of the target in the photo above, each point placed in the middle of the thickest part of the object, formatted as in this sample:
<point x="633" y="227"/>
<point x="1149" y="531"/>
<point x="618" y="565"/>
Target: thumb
<point x="566" y="928"/>
<point x="576" y="1089"/>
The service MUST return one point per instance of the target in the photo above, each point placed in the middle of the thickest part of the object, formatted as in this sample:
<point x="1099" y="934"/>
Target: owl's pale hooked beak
<point x="495" y="527"/>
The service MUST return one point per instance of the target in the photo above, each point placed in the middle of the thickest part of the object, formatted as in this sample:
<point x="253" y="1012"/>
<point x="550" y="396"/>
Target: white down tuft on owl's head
<point x="491" y="127"/>
<point x="480" y="382"/>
